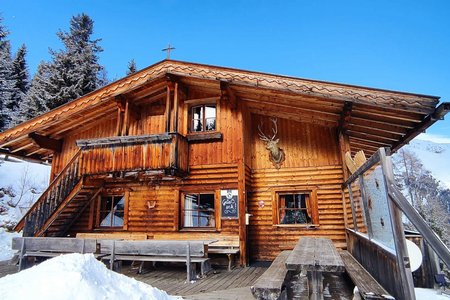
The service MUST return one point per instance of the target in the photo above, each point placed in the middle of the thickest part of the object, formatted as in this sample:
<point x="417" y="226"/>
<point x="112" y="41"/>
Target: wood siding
<point x="312" y="160"/>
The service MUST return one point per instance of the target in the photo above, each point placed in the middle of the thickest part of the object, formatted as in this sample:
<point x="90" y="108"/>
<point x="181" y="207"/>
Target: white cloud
<point x="435" y="138"/>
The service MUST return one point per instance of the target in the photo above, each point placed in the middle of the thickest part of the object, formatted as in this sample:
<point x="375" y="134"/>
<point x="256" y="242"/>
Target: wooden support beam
<point x="344" y="121"/>
<point x="175" y="108"/>
<point x="228" y="94"/>
<point x="438" y="114"/>
<point x="32" y="158"/>
<point x="46" y="142"/>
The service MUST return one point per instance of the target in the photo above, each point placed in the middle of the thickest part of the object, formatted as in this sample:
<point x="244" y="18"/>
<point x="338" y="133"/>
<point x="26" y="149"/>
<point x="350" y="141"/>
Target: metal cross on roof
<point x="168" y="49"/>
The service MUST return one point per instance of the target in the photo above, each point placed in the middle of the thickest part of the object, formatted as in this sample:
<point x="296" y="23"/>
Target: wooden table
<point x="315" y="255"/>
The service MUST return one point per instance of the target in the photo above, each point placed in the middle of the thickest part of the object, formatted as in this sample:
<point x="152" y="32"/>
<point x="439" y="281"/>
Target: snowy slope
<point x="435" y="158"/>
<point x="21" y="184"/>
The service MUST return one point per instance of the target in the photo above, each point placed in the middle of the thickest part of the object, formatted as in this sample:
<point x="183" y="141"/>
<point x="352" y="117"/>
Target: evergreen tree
<point x="131" y="67"/>
<point x="21" y="84"/>
<point x="75" y="70"/>
<point x="6" y="81"/>
<point x="36" y="98"/>
<point x="424" y="192"/>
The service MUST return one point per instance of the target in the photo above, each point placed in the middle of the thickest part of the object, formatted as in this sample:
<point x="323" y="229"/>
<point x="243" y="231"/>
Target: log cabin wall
<point x="312" y="160"/>
<point x="212" y="167"/>
<point x="104" y="128"/>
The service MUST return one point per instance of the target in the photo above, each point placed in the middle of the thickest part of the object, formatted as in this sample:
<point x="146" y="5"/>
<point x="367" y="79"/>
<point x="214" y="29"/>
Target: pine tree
<point x="36" y="98"/>
<point x="423" y="191"/>
<point x="21" y="84"/>
<point x="73" y="71"/>
<point x="131" y="67"/>
<point x="6" y="81"/>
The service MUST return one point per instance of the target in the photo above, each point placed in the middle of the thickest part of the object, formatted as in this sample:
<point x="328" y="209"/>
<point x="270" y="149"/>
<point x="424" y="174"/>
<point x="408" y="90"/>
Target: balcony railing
<point x="167" y="153"/>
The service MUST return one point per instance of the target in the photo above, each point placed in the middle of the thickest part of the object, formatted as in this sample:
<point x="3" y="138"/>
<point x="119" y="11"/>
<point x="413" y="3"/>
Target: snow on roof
<point x="75" y="276"/>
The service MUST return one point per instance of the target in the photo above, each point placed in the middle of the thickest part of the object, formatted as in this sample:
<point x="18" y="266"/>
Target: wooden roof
<point x="371" y="117"/>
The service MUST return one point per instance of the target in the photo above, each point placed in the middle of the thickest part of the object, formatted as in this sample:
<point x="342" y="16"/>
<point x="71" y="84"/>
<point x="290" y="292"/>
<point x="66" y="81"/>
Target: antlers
<point x="274" y="130"/>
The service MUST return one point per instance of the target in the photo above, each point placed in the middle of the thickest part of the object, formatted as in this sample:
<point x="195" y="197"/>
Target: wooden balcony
<point x="164" y="154"/>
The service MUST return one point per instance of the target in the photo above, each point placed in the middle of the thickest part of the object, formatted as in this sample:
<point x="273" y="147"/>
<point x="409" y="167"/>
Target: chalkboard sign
<point x="229" y="203"/>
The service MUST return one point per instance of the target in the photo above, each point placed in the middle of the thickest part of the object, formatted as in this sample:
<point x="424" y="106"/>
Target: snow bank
<point x="6" y="253"/>
<point x="75" y="276"/>
<point x="429" y="294"/>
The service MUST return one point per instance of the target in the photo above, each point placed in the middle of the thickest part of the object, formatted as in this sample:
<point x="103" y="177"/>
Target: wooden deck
<point x="220" y="284"/>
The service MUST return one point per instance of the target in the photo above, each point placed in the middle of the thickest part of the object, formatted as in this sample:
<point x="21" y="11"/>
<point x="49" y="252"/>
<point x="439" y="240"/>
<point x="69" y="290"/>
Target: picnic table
<point x="315" y="255"/>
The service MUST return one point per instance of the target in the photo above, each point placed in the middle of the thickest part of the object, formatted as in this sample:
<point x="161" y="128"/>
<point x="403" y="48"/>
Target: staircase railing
<point x="52" y="197"/>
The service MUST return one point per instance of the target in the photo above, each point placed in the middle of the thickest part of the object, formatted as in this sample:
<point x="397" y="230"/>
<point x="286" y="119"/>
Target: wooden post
<point x="175" y="108"/>
<point x="22" y="259"/>
<point x="242" y="195"/>
<point x="365" y="206"/>
<point x="169" y="90"/>
<point x="352" y="204"/>
<point x="111" y="259"/>
<point x="188" y="262"/>
<point x="316" y="285"/>
<point x="406" y="281"/>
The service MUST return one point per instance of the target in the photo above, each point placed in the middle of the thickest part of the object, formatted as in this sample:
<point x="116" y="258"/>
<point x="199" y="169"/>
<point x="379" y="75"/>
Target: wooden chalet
<point x="183" y="151"/>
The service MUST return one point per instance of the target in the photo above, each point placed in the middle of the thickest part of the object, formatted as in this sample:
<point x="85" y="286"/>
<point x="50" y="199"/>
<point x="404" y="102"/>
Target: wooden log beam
<point x="344" y="121"/>
<point x="228" y="94"/>
<point x="438" y="114"/>
<point x="46" y="142"/>
<point x="32" y="158"/>
<point x="125" y="140"/>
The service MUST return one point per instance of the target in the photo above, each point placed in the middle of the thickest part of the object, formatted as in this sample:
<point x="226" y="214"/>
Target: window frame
<point x="191" y="118"/>
<point x="313" y="205"/>
<point x="216" y="213"/>
<point x="97" y="216"/>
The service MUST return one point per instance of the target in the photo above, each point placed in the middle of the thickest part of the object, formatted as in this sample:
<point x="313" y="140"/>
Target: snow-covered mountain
<point x="435" y="157"/>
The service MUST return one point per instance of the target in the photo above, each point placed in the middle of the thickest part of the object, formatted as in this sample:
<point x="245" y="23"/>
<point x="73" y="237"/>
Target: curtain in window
<point x="189" y="201"/>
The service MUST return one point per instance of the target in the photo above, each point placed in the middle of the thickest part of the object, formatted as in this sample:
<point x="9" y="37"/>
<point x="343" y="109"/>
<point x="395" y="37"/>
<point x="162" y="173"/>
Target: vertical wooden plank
<point x="218" y="209"/>
<point x="175" y="108"/>
<point x="176" y="209"/>
<point x="241" y="184"/>
<point x="168" y="107"/>
<point x="126" y="210"/>
<point x="406" y="284"/>
<point x="92" y="214"/>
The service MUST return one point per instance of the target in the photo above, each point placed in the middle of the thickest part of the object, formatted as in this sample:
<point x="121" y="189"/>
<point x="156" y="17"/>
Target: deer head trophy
<point x="276" y="154"/>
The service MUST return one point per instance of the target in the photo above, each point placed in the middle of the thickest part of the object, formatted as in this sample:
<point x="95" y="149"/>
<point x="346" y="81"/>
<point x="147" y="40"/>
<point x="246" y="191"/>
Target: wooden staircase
<point x="61" y="204"/>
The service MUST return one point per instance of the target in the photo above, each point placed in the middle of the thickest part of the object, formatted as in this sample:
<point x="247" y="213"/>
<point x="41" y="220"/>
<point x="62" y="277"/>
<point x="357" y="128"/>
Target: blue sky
<point x="398" y="45"/>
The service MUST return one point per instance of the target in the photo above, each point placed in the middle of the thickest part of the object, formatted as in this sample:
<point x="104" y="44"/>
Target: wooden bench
<point x="217" y="243"/>
<point x="368" y="287"/>
<point x="47" y="247"/>
<point x="271" y="284"/>
<point x="189" y="252"/>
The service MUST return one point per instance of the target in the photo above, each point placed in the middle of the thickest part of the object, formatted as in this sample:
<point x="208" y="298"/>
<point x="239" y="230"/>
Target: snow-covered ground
<point x="435" y="158"/>
<point x="21" y="184"/>
<point x="75" y="276"/>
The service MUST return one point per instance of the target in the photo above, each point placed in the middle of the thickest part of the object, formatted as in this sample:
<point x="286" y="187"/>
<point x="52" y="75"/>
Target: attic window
<point x="203" y="118"/>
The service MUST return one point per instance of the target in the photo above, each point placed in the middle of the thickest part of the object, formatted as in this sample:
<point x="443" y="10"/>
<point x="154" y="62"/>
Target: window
<point x="199" y="211"/>
<point x="296" y="208"/>
<point x="203" y="118"/>
<point x="111" y="211"/>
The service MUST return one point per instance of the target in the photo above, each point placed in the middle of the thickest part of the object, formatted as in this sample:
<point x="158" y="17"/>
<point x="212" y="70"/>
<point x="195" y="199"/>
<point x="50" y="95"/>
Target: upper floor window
<point x="203" y="118"/>
<point x="111" y="211"/>
<point x="199" y="210"/>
